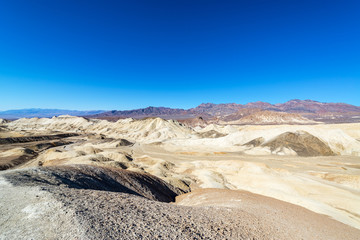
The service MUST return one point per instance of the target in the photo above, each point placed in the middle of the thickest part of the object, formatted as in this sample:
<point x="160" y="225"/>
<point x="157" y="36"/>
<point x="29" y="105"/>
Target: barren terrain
<point x="307" y="177"/>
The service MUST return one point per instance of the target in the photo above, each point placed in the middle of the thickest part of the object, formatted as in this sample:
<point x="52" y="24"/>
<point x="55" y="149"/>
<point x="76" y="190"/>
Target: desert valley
<point x="235" y="120"/>
<point x="221" y="171"/>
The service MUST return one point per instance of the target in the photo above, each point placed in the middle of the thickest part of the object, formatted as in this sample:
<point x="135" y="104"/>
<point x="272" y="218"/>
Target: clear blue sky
<point x="130" y="54"/>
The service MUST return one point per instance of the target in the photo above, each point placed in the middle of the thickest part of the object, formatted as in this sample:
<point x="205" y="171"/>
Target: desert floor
<point x="217" y="172"/>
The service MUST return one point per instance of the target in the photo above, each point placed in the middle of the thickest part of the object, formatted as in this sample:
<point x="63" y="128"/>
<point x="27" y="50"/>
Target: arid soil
<point x="16" y="151"/>
<point x="282" y="216"/>
<point x="313" y="172"/>
<point x="84" y="202"/>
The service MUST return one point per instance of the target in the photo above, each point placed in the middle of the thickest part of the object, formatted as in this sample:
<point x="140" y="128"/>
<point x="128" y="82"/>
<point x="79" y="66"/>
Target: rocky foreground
<point x="90" y="202"/>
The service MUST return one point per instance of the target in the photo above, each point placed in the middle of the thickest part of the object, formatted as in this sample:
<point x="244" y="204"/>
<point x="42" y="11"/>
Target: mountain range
<point x="39" y="112"/>
<point x="314" y="110"/>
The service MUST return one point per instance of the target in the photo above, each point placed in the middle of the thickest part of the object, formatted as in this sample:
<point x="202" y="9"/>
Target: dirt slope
<point x="295" y="222"/>
<point x="95" y="178"/>
<point x="303" y="143"/>
<point x="84" y="202"/>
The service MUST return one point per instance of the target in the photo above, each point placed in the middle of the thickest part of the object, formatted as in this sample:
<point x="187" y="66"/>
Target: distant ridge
<point x="163" y="112"/>
<point x="38" y="112"/>
<point x="314" y="110"/>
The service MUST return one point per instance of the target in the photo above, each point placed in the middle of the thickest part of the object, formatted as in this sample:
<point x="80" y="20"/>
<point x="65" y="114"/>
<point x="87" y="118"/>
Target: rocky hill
<point x="194" y="122"/>
<point x="254" y="116"/>
<point x="216" y="109"/>
<point x="146" y="130"/>
<point x="297" y="105"/>
<point x="328" y="112"/>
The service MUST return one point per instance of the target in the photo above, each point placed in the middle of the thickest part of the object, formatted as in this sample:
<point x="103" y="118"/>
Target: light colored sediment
<point x="298" y="180"/>
<point x="31" y="213"/>
<point x="321" y="184"/>
<point x="147" y="130"/>
<point x="341" y="138"/>
<point x="219" y="157"/>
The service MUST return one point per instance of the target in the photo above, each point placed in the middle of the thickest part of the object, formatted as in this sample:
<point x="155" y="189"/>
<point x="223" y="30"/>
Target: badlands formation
<point x="72" y="177"/>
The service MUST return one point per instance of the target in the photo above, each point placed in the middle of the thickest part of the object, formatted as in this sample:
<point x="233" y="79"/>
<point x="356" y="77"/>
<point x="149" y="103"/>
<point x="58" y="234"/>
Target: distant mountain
<point x="297" y="105"/>
<point x="227" y="112"/>
<point x="38" y="112"/>
<point x="216" y="109"/>
<point x="272" y="117"/>
<point x="261" y="105"/>
<point x="292" y="106"/>
<point x="210" y="112"/>
<point x="162" y="112"/>
<point x="240" y="114"/>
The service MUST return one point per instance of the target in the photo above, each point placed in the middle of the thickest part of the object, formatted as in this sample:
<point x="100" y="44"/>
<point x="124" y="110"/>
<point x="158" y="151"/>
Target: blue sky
<point x="133" y="54"/>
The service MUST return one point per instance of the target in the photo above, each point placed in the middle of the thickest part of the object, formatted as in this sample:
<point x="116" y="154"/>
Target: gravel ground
<point x="86" y="202"/>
